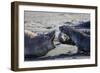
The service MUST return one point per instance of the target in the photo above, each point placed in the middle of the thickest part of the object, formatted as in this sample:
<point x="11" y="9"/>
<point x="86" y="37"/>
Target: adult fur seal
<point x="81" y="40"/>
<point x="38" y="45"/>
<point x="82" y="27"/>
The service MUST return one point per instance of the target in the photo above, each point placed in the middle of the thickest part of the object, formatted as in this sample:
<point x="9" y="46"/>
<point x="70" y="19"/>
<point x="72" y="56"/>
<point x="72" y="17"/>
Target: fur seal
<point x="81" y="40"/>
<point x="38" y="45"/>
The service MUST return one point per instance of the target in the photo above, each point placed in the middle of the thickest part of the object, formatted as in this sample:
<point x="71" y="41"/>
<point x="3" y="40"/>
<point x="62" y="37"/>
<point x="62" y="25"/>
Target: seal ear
<point x="51" y="35"/>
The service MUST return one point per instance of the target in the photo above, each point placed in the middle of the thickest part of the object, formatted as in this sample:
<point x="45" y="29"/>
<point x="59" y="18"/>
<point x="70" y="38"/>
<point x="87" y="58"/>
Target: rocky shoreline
<point x="44" y="22"/>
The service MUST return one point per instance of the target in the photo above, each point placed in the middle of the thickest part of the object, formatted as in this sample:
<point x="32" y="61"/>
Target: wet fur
<point x="39" y="45"/>
<point x="81" y="40"/>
